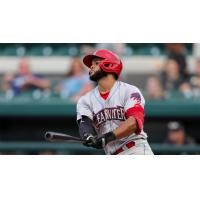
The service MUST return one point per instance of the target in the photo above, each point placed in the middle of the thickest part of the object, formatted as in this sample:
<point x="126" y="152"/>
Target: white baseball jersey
<point x="123" y="101"/>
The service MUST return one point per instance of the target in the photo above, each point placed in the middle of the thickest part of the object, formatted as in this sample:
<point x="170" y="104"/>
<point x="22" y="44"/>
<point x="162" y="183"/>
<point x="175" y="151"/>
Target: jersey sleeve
<point x="134" y="106"/>
<point x="83" y="108"/>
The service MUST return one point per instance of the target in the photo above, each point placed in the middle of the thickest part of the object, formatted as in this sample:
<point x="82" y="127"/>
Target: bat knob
<point x="48" y="136"/>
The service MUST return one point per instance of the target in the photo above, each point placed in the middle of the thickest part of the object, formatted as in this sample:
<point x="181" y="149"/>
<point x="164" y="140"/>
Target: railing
<point x="57" y="107"/>
<point x="73" y="149"/>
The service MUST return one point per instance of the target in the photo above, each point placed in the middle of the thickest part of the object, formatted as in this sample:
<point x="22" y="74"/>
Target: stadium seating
<point x="38" y="49"/>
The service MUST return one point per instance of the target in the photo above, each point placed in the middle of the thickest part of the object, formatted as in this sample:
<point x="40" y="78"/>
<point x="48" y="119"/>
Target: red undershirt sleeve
<point x="134" y="106"/>
<point x="137" y="111"/>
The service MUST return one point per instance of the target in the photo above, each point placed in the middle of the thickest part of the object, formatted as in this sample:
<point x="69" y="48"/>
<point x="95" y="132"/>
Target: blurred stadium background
<point x="41" y="83"/>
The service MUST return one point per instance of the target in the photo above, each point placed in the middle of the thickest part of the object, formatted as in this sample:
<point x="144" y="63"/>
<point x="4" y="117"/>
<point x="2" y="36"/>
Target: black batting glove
<point x="89" y="140"/>
<point x="102" y="140"/>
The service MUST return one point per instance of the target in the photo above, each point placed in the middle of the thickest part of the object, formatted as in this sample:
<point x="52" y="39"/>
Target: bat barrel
<point x="54" y="136"/>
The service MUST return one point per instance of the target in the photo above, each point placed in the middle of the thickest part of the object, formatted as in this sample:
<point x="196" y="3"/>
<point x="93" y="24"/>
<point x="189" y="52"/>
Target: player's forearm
<point x="126" y="128"/>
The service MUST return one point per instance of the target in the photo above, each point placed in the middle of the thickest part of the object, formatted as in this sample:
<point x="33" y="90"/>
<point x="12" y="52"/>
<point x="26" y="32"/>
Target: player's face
<point x="95" y="66"/>
<point x="95" y="72"/>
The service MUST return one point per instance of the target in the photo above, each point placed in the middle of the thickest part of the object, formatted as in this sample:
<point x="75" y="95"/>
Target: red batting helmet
<point x="110" y="62"/>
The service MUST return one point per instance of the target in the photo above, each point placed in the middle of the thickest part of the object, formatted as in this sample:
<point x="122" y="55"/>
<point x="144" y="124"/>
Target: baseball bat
<point x="54" y="136"/>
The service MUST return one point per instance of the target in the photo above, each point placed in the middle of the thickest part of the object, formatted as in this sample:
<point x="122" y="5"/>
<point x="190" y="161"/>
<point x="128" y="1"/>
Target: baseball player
<point x="111" y="116"/>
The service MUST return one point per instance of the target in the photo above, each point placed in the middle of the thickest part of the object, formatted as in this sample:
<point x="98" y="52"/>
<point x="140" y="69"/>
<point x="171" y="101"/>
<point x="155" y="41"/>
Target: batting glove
<point x="101" y="141"/>
<point x="89" y="140"/>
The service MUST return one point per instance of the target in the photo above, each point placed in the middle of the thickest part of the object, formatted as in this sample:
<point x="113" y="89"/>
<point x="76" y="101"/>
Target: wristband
<point x="109" y="137"/>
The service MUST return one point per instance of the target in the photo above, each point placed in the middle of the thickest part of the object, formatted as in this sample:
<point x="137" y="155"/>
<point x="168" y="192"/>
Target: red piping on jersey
<point x="104" y="96"/>
<point x="138" y="113"/>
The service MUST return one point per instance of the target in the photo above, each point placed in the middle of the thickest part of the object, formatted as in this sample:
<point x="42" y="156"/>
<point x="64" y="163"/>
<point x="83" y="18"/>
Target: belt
<point x="128" y="145"/>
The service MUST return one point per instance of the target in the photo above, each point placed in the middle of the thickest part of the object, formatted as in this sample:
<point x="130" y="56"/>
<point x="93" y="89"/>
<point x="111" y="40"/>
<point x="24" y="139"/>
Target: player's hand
<point x="101" y="141"/>
<point x="89" y="140"/>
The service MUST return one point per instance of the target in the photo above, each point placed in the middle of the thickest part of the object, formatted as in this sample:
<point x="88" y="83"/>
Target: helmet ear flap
<point x="106" y="64"/>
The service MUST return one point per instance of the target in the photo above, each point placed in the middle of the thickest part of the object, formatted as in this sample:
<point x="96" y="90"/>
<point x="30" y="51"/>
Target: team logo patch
<point x="136" y="96"/>
<point x="109" y="114"/>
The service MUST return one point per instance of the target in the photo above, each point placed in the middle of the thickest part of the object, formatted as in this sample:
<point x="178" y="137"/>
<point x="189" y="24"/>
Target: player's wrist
<point x="101" y="141"/>
<point x="109" y="137"/>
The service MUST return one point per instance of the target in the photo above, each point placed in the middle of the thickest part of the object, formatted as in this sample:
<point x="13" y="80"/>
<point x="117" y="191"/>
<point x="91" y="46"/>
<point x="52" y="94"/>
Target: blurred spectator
<point x="119" y="48"/>
<point x="172" y="80"/>
<point x="24" y="80"/>
<point x="154" y="88"/>
<point x="87" y="49"/>
<point x="177" y="51"/>
<point x="76" y="83"/>
<point x="195" y="79"/>
<point x="7" y="81"/>
<point x="176" y="134"/>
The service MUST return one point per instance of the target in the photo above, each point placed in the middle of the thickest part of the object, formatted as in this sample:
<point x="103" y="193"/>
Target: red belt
<point x="128" y="145"/>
